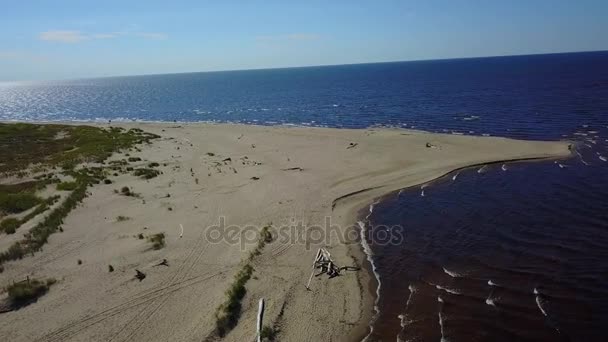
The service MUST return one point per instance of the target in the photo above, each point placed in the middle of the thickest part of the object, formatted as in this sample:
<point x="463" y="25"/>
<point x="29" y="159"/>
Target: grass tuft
<point x="19" y="202"/>
<point x="228" y="313"/>
<point x="145" y="173"/>
<point x="157" y="240"/>
<point x="67" y="186"/>
<point x="10" y="225"/>
<point x="27" y="291"/>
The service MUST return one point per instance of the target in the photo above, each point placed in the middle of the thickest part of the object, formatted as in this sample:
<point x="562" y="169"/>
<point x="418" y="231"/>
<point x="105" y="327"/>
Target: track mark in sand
<point x="149" y="298"/>
<point x="176" y="277"/>
<point x="74" y="328"/>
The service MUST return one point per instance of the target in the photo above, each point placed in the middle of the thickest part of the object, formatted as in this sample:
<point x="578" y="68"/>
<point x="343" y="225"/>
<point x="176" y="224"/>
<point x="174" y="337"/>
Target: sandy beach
<point x="244" y="176"/>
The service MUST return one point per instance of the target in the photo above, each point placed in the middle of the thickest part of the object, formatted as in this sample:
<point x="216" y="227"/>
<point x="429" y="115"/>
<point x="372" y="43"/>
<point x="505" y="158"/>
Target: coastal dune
<point x="220" y="175"/>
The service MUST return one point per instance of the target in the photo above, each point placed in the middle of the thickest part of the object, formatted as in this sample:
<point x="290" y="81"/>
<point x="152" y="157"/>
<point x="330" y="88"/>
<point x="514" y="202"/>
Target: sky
<point x="63" y="39"/>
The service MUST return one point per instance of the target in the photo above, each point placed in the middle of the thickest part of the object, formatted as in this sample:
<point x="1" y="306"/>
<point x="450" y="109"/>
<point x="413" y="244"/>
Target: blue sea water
<point x="523" y="253"/>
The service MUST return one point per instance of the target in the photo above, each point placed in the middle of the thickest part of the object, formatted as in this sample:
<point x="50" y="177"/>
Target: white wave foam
<point x="443" y="339"/>
<point x="602" y="158"/>
<point x="504" y="167"/>
<point x="456" y="175"/>
<point x="368" y="253"/>
<point x="490" y="302"/>
<point x="538" y="302"/>
<point x="448" y="290"/>
<point x="491" y="283"/>
<point x="453" y="274"/>
<point x="482" y="169"/>
<point x="582" y="160"/>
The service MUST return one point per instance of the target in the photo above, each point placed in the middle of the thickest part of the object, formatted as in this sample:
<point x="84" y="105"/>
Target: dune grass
<point x="146" y="173"/>
<point x="62" y="145"/>
<point x="157" y="240"/>
<point x="56" y="146"/>
<point x="67" y="186"/>
<point x="228" y="313"/>
<point x="28" y="290"/>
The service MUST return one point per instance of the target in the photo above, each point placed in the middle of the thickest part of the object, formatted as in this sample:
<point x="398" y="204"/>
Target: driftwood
<point x="297" y="168"/>
<point x="325" y="265"/>
<point x="351" y="145"/>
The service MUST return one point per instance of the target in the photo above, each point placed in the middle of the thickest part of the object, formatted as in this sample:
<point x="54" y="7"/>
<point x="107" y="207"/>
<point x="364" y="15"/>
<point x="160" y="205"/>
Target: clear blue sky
<point x="72" y="39"/>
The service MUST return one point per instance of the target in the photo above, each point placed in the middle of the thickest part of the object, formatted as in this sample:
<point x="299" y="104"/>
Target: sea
<point x="513" y="252"/>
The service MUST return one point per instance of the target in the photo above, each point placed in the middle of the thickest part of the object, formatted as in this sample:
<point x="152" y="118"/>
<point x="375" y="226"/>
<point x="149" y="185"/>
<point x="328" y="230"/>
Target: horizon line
<point x="303" y="66"/>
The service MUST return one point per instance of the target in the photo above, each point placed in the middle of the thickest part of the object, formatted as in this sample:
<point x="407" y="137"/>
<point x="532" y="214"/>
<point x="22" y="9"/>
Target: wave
<point x="453" y="274"/>
<point x="448" y="290"/>
<point x="538" y="302"/>
<point x="368" y="253"/>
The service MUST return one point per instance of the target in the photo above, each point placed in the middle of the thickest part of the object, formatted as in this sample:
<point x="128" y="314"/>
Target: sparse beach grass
<point x="52" y="146"/>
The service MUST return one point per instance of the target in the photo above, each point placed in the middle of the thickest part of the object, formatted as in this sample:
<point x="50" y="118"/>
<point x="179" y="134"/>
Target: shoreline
<point x="361" y="217"/>
<point x="371" y="277"/>
<point x="341" y="187"/>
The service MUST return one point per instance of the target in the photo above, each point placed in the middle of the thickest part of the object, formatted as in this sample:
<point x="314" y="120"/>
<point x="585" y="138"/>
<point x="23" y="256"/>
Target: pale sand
<point x="177" y="303"/>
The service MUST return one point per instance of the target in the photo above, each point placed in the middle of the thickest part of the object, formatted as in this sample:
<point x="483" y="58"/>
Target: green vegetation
<point x="67" y="186"/>
<point x="157" y="240"/>
<point x="127" y="192"/>
<point x="146" y="173"/>
<point x="19" y="202"/>
<point x="28" y="290"/>
<point x="153" y="164"/>
<point x="54" y="146"/>
<point x="228" y="313"/>
<point x="9" y="225"/>
<point x="134" y="159"/>
<point x="268" y="333"/>
<point x="62" y="145"/>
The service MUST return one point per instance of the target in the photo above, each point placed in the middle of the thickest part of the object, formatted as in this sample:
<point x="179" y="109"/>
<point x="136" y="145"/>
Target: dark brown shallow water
<point x="511" y="255"/>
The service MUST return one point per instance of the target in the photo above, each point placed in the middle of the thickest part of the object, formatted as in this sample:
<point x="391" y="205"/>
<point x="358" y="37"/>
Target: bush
<point x="16" y="203"/>
<point x="153" y="164"/>
<point x="121" y="218"/>
<point x="146" y="173"/>
<point x="9" y="225"/>
<point x="134" y="159"/>
<point x="27" y="291"/>
<point x="107" y="181"/>
<point x="67" y="186"/>
<point x="268" y="333"/>
<point x="110" y="268"/>
<point x="157" y="240"/>
<point x="228" y="313"/>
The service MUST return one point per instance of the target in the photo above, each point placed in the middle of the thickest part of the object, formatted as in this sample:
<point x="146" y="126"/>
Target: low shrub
<point x="134" y="159"/>
<point x="228" y="313"/>
<point x="67" y="186"/>
<point x="146" y="173"/>
<point x="10" y="225"/>
<point x="19" y="202"/>
<point x="121" y="218"/>
<point x="268" y="333"/>
<point x="157" y="240"/>
<point x="29" y="290"/>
